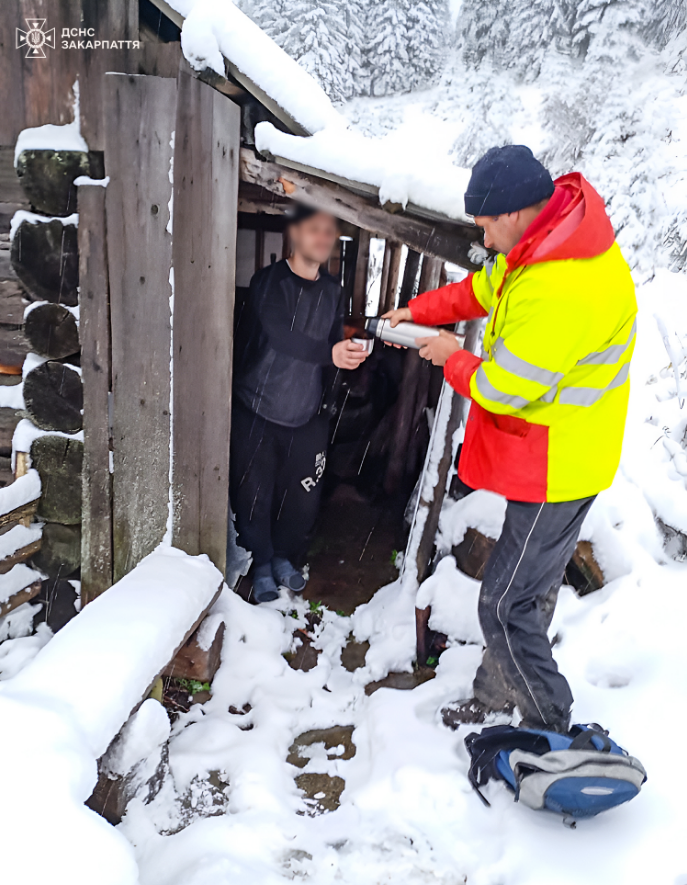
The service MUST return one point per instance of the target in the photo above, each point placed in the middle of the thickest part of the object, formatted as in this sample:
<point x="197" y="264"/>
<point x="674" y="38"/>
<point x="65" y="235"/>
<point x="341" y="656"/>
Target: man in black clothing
<point x="290" y="329"/>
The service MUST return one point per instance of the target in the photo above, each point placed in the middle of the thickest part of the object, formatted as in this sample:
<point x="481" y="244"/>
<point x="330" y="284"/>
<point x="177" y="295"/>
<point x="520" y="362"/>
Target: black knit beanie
<point x="507" y="179"/>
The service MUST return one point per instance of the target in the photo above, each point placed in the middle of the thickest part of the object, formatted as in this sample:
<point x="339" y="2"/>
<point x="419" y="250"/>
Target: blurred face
<point x="502" y="232"/>
<point x="314" y="237"/>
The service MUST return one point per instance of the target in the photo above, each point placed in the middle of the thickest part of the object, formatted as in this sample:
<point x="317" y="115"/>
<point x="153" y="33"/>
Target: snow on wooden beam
<point x="17" y="545"/>
<point x="450" y="242"/>
<point x="226" y="87"/>
<point x="18" y="586"/>
<point x="18" y="501"/>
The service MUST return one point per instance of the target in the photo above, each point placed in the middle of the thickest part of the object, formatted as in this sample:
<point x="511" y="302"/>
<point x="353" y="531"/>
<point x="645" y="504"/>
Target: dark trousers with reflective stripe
<point x="275" y="482"/>
<point x="517" y="599"/>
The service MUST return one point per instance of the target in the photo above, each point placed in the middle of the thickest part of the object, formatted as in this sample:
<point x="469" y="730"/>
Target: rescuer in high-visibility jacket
<point x="549" y="401"/>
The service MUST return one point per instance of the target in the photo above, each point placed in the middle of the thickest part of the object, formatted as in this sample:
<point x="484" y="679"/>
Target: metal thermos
<point x="404" y="333"/>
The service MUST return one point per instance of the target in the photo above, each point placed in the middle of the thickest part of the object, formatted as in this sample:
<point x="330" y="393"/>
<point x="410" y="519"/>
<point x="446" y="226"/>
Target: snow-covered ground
<point x="407" y="812"/>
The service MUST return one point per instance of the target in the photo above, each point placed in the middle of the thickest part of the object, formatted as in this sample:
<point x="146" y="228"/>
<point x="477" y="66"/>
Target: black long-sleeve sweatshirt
<point x="284" y="338"/>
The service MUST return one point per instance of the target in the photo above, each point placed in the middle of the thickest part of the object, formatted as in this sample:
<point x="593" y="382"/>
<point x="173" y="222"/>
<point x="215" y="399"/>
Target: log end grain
<point x="53" y="395"/>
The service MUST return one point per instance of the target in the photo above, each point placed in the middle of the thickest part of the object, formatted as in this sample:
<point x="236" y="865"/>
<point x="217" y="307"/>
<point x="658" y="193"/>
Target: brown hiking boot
<point x="470" y="712"/>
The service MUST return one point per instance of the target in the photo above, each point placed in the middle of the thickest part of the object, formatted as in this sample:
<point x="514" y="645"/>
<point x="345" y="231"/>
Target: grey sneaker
<point x="287" y="575"/>
<point x="264" y="586"/>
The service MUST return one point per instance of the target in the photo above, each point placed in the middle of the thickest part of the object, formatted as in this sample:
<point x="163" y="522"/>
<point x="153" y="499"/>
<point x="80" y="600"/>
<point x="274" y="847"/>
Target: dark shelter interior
<point x="380" y="413"/>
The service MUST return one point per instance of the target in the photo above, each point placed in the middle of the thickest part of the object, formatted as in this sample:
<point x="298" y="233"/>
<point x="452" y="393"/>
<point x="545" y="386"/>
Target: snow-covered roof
<point x="215" y="30"/>
<point x="407" y="167"/>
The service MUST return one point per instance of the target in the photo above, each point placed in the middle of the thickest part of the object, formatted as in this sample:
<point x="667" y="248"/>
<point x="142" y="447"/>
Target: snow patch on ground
<point x="62" y="710"/>
<point x="407" y="813"/>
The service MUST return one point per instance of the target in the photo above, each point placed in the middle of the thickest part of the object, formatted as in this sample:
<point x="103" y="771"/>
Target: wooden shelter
<point x="165" y="250"/>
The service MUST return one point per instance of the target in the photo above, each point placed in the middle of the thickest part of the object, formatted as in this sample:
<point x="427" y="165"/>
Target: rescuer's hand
<point x="439" y="347"/>
<point x="401" y="315"/>
<point x="348" y="354"/>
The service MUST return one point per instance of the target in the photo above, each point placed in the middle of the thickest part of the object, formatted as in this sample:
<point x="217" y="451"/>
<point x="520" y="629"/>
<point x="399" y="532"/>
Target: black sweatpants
<point x="275" y="482"/>
<point x="517" y="599"/>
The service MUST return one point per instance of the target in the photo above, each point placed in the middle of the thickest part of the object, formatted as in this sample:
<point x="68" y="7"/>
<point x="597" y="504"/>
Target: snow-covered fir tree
<point x="359" y="47"/>
<point x="386" y="50"/>
<point x="474" y="29"/>
<point x="271" y="15"/>
<point x="429" y="24"/>
<point x="316" y="38"/>
<point x="358" y="76"/>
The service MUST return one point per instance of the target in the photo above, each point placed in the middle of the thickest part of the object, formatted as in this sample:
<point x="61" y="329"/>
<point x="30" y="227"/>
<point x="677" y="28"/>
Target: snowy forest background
<point x="595" y="85"/>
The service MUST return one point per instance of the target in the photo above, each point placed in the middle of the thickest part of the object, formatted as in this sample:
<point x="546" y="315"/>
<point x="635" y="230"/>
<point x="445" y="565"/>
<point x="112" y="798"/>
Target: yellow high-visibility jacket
<point x="549" y="397"/>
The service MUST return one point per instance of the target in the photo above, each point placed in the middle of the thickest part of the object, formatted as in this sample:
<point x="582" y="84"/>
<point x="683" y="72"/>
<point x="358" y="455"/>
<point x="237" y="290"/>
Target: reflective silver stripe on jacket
<point x="488" y="391"/>
<point x="611" y="354"/>
<point x="507" y="360"/>
<point x="587" y="396"/>
<point x="550" y="394"/>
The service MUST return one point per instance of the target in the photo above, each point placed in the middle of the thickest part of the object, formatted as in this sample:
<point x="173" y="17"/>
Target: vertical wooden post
<point x="361" y="269"/>
<point x="394" y="274"/>
<point x="207" y="144"/>
<point x="384" y="280"/>
<point x="409" y="277"/>
<point x="139" y="120"/>
<point x="412" y="398"/>
<point x="96" y="368"/>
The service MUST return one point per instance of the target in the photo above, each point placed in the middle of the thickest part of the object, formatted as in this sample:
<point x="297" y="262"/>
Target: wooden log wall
<point x="40" y="270"/>
<point x="205" y="218"/>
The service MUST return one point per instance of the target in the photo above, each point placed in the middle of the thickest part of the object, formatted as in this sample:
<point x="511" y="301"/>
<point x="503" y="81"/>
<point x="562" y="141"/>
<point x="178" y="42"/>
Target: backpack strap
<point x="484" y="747"/>
<point x="584" y="740"/>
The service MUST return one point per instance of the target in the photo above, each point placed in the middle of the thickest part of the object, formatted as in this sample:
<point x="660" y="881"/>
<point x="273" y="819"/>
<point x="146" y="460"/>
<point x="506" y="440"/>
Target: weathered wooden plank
<point x="409" y="277"/>
<point x="19" y="598"/>
<point x="139" y="122"/>
<point x="21" y="555"/>
<point x="96" y="368"/>
<point x="384" y="280"/>
<point x="450" y="242"/>
<point x="196" y="660"/>
<point x="39" y="91"/>
<point x="8" y="422"/>
<point x="412" y="398"/>
<point x="10" y="189"/>
<point x="22" y="514"/>
<point x="205" y="205"/>
<point x="362" y="262"/>
<point x="389" y="291"/>
<point x="13" y="348"/>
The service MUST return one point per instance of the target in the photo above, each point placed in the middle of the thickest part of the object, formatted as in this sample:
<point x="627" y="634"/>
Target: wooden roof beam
<point x="445" y="240"/>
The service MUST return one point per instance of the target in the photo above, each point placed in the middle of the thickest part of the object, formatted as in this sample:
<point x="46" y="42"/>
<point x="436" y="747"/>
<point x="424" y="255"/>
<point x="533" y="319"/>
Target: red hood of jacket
<point x="574" y="224"/>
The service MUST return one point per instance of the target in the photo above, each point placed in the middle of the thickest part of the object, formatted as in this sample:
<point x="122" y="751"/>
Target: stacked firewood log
<point x="39" y="320"/>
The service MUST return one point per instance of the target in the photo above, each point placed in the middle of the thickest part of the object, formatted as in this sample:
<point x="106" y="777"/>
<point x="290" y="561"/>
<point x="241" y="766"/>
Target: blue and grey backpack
<point x="578" y="774"/>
